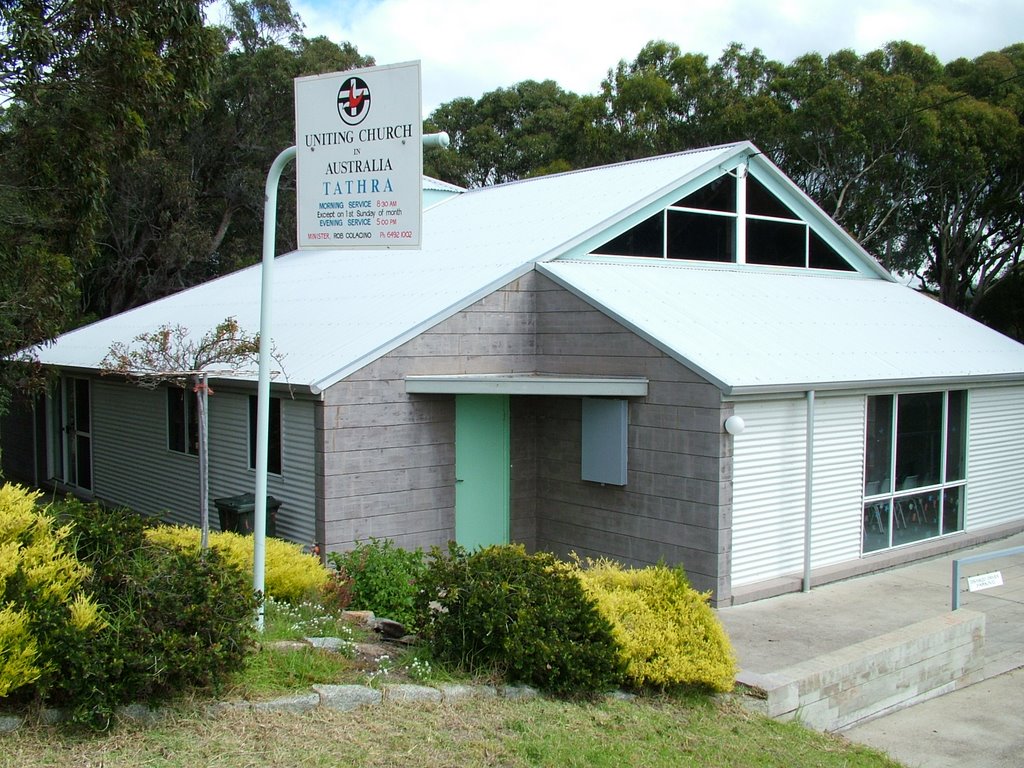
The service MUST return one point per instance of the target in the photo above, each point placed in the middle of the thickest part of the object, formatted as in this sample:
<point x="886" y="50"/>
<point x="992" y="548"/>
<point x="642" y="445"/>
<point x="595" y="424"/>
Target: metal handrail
<point x="977" y="559"/>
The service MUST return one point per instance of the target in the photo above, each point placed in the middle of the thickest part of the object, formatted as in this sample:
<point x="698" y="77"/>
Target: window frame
<point x="735" y="245"/>
<point x="182" y="422"/>
<point x="274" y="436"/>
<point x="886" y="502"/>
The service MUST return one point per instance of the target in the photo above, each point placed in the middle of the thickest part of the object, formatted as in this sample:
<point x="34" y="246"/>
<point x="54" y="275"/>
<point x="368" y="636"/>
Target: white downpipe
<point x="259" y="524"/>
<point x="808" y="491"/>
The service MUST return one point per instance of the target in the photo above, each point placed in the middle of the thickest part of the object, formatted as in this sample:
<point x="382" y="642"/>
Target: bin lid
<point x="244" y="502"/>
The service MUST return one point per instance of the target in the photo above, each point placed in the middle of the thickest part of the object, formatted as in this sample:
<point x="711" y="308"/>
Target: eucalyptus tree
<point x="190" y="206"/>
<point x="849" y="140"/>
<point x="969" y="215"/>
<point x="78" y="81"/>
<point x="529" y="129"/>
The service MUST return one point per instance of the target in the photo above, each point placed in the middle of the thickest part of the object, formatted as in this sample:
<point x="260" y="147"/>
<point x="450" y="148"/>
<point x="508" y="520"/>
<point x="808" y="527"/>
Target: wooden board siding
<point x="676" y="504"/>
<point x="387" y="465"/>
<point x="132" y="465"/>
<point x="23" y="440"/>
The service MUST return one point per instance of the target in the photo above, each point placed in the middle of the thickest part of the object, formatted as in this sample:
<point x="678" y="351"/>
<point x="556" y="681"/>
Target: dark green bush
<point x="177" y="621"/>
<point x="525" y="617"/>
<point x="383" y="578"/>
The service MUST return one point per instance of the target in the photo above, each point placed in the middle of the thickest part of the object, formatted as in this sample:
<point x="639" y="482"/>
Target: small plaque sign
<point x="984" y="581"/>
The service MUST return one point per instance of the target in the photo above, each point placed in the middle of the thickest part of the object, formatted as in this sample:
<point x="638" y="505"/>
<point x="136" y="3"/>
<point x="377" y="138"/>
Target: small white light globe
<point x="735" y="425"/>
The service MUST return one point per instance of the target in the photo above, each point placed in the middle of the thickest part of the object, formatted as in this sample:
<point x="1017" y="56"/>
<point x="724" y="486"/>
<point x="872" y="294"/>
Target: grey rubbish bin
<point x="237" y="513"/>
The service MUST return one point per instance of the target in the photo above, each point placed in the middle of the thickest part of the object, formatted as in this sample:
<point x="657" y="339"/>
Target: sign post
<point x="359" y="162"/>
<point x="359" y="167"/>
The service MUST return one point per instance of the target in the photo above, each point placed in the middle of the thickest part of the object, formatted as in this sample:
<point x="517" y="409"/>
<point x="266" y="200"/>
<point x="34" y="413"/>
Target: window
<point x="274" y="436"/>
<point x="182" y="421"/>
<point x="915" y="458"/>
<point x="704" y="226"/>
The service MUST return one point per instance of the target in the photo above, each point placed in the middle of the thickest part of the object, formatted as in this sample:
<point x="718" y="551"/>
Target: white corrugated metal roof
<point x="429" y="182"/>
<point x="335" y="311"/>
<point x="752" y="329"/>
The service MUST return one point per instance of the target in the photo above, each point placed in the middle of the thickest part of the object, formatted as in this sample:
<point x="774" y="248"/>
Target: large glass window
<point x="704" y="226"/>
<point x="914" y="467"/>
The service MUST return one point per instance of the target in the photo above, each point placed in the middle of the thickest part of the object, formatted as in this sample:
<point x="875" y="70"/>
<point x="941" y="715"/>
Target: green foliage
<point x="383" y="578"/>
<point x="523" y="616"/>
<point x="177" y="621"/>
<point x="667" y="632"/>
<point x="44" y="612"/>
<point x="295" y="621"/>
<point x="291" y="574"/>
<point x="83" y="84"/>
<point x="336" y="593"/>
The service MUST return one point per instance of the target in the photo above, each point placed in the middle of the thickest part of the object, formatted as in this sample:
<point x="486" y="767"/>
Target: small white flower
<point x="436" y="607"/>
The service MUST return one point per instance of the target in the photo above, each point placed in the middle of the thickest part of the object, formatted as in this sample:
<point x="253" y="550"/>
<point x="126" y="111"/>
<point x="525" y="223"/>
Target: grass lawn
<point x="651" y="731"/>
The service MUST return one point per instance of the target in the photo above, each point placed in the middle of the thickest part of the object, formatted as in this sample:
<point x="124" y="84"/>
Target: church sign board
<point x="359" y="158"/>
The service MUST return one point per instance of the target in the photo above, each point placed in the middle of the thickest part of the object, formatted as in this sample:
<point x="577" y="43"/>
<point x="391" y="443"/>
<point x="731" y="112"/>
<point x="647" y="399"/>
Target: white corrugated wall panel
<point x="838" y="479"/>
<point x="133" y="467"/>
<point x="768" y="490"/>
<point x="995" y="457"/>
<point x="769" y="479"/>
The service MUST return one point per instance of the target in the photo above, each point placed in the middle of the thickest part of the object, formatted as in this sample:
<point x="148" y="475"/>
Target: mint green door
<point x="481" y="470"/>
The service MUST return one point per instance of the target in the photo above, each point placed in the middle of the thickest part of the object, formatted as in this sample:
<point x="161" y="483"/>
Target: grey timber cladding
<point x="676" y="505"/>
<point x="132" y="465"/>
<point x="388" y="457"/>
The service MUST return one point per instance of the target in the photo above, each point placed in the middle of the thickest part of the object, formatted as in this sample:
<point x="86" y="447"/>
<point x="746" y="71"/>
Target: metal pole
<point x="956" y="586"/>
<point x="259" y="525"/>
<point x="440" y="140"/>
<point x="808" y="490"/>
<point x="202" y="399"/>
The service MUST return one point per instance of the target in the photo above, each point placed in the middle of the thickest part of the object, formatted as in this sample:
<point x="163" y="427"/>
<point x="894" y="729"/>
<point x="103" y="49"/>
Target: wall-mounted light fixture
<point x="735" y="425"/>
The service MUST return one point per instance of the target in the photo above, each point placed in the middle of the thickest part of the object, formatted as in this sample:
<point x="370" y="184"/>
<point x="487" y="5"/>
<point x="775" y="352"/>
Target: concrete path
<point x="981" y="726"/>
<point x="985" y="720"/>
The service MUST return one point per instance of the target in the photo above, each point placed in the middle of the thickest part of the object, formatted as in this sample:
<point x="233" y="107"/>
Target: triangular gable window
<point x="734" y="219"/>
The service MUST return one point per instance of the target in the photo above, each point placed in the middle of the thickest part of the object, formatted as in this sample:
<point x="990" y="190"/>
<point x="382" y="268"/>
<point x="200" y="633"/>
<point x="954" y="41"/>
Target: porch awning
<point x="527" y="384"/>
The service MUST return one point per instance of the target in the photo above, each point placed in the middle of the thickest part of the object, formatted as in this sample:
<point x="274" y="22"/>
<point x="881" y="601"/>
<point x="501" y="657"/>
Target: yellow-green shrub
<point x="291" y="574"/>
<point x="43" y="610"/>
<point x="667" y="632"/>
<point x="18" y="651"/>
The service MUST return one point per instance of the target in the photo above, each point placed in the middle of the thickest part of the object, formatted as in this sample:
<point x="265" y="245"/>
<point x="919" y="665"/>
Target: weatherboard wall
<point x="387" y="467"/>
<point x="132" y="465"/>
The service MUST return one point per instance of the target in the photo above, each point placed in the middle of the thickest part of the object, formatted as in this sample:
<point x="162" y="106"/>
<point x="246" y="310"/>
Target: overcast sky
<point x="469" y="47"/>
